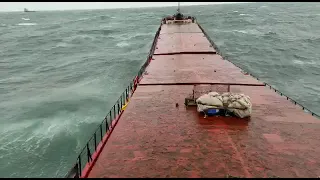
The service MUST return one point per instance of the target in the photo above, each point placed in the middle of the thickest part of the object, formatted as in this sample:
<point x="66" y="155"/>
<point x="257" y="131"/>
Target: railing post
<point x="124" y="98"/>
<point x="77" y="171"/>
<point x="74" y="172"/>
<point x="107" y="125"/>
<point x="88" y="153"/>
<point x="101" y="131"/>
<point x="127" y="94"/>
<point x="121" y="101"/>
<point x="80" y="170"/>
<point x="95" y="140"/>
<point x="110" y="120"/>
<point x="114" y="112"/>
<point x="118" y="107"/>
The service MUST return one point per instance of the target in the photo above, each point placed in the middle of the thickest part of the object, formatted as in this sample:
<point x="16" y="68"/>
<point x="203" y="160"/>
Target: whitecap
<point x="61" y="44"/>
<point x="27" y="24"/>
<point x="250" y="31"/>
<point x="243" y="14"/>
<point x="122" y="44"/>
<point x="241" y="31"/>
<point x="26" y="19"/>
<point x="298" y="62"/>
<point x="82" y="19"/>
<point x="235" y="11"/>
<point x="75" y="38"/>
<point x="303" y="62"/>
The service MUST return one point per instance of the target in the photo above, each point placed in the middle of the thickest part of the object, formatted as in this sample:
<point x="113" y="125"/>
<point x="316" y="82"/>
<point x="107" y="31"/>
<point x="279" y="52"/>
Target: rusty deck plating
<point x="155" y="138"/>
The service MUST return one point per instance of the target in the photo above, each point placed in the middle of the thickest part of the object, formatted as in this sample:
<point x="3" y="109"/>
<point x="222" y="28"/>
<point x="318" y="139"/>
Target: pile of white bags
<point x="238" y="104"/>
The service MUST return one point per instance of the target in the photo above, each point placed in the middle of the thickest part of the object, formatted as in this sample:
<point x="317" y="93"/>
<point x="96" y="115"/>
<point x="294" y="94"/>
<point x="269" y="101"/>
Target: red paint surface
<point x="210" y="68"/>
<point x="183" y="42"/>
<point x="88" y="167"/>
<point x="182" y="28"/>
<point x="154" y="138"/>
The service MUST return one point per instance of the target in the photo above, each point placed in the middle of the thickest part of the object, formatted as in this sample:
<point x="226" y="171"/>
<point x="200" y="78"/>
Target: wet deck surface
<point x="183" y="42"/>
<point x="184" y="28"/>
<point x="189" y="68"/>
<point x="182" y="38"/>
<point x="154" y="138"/>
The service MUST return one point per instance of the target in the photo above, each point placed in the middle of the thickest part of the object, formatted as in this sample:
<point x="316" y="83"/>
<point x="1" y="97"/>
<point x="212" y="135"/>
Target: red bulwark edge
<point x="154" y="138"/>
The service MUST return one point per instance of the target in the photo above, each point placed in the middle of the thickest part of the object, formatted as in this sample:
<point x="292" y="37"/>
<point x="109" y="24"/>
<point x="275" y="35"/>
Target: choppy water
<point x="62" y="71"/>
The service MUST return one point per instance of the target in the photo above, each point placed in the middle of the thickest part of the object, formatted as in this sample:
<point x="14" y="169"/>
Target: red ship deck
<point x="154" y="138"/>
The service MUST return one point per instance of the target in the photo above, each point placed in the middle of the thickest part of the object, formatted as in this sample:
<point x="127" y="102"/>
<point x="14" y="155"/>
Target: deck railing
<point x="266" y="84"/>
<point x="107" y="125"/>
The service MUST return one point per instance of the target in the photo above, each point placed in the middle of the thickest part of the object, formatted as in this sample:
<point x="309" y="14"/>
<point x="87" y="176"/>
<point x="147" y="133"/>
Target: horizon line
<point x="110" y="8"/>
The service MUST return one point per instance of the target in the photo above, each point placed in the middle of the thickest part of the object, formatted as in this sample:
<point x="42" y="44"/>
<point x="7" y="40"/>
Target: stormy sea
<point x="61" y="71"/>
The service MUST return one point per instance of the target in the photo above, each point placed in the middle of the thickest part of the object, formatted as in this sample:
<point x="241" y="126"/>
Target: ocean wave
<point x="311" y="40"/>
<point x="68" y="68"/>
<point x="299" y="56"/>
<point x="75" y="39"/>
<point x="103" y="17"/>
<point x="27" y="24"/>
<point x="15" y="80"/>
<point x="58" y="45"/>
<point x="300" y="62"/>
<point x="26" y="19"/>
<point x="123" y="44"/>
<point x="96" y="31"/>
<point x="250" y="31"/>
<point x="62" y="44"/>
<point x="82" y="19"/>
<point x="51" y="27"/>
<point x="133" y="36"/>
<point x="270" y="33"/>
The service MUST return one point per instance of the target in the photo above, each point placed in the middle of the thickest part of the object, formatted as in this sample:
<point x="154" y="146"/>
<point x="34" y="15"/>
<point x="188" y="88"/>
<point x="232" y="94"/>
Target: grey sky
<point x="38" y="6"/>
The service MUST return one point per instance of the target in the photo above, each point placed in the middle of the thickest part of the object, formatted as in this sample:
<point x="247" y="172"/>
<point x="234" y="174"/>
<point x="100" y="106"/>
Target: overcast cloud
<point x="40" y="6"/>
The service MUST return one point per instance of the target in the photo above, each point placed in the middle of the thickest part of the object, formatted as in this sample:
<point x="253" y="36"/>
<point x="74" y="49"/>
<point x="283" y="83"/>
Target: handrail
<point x="106" y="125"/>
<point x="266" y="84"/>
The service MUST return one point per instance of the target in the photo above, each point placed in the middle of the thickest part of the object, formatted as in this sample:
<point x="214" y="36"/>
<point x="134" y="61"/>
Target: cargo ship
<point x="26" y="10"/>
<point x="155" y="130"/>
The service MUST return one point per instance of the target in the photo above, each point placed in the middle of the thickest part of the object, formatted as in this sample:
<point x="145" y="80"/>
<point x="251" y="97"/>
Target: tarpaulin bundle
<point x="239" y="104"/>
